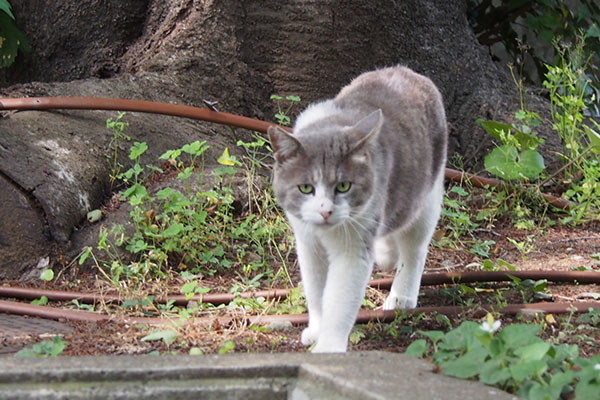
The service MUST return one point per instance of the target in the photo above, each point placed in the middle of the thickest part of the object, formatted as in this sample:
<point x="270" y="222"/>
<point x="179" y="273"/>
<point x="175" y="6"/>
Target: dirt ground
<point x="555" y="249"/>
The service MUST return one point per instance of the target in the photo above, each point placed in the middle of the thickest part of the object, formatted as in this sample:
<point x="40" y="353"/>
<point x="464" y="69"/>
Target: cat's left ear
<point x="367" y="128"/>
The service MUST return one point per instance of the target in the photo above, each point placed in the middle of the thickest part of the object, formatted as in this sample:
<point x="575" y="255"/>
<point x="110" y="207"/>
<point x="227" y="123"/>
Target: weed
<point x="227" y="347"/>
<point x="524" y="247"/>
<point x="282" y="116"/>
<point x="167" y="336"/>
<point x="48" y="348"/>
<point x="513" y="358"/>
<point x="516" y="158"/>
<point x="117" y="127"/>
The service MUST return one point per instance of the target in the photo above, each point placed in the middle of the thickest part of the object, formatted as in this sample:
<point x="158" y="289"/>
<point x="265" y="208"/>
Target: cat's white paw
<point x="325" y="346"/>
<point x="309" y="336"/>
<point x="398" y="302"/>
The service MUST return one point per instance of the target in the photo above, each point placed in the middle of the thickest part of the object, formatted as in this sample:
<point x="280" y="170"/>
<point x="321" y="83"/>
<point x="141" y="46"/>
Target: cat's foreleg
<point x="313" y="268"/>
<point x="347" y="279"/>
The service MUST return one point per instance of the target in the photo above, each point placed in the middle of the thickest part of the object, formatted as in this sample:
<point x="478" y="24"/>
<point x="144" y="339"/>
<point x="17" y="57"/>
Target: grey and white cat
<point x="361" y="182"/>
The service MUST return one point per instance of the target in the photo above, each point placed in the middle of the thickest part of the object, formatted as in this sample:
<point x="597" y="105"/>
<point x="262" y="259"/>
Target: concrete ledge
<point x="298" y="376"/>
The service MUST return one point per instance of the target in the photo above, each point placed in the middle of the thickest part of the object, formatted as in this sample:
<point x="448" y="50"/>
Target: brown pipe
<point x="92" y="298"/>
<point x="480" y="181"/>
<point x="99" y="103"/>
<point x="581" y="277"/>
<point x="364" y="316"/>
<point x="13" y="307"/>
<point x="385" y="316"/>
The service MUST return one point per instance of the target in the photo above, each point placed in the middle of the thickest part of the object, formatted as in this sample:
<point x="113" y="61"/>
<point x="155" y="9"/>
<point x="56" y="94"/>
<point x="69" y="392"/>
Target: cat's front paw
<point x="309" y="336"/>
<point x="394" y="302"/>
<point x="330" y="347"/>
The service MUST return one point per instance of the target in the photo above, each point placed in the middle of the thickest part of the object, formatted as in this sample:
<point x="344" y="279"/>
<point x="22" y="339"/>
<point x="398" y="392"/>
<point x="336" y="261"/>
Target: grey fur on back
<point x="391" y="170"/>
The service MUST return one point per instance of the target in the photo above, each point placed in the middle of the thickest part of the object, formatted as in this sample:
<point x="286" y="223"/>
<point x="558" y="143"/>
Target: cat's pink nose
<point x="326" y="214"/>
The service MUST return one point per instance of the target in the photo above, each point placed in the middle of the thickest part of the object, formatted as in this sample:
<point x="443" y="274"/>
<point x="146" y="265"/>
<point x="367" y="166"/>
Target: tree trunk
<point x="235" y="52"/>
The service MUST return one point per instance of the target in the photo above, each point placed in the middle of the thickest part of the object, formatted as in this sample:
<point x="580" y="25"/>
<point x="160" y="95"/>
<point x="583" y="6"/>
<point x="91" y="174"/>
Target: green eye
<point x="306" y="189"/>
<point x="343" y="187"/>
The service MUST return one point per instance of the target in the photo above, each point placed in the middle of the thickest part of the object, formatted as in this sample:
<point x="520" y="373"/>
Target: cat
<point x="361" y="182"/>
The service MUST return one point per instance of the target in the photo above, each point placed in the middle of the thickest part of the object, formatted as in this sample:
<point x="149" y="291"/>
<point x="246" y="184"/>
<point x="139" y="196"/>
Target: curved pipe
<point x="480" y="181"/>
<point x="478" y="311"/>
<point x="364" y="316"/>
<point x="13" y="307"/>
<point x="204" y="114"/>
<point x="92" y="298"/>
<point x="99" y="103"/>
<point x="449" y="278"/>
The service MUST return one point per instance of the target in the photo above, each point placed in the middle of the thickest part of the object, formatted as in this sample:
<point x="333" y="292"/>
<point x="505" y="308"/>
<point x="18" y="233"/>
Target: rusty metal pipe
<point x="478" y="311"/>
<point x="93" y="298"/>
<point x="480" y="181"/>
<point x="364" y="316"/>
<point x="98" y="103"/>
<point x="581" y="277"/>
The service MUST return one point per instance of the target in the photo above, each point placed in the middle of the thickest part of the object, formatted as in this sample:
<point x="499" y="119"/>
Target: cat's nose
<point x="326" y="214"/>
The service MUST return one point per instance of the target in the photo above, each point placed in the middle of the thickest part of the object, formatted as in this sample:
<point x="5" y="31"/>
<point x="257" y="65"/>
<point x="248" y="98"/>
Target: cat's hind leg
<point x="412" y="244"/>
<point x="386" y="252"/>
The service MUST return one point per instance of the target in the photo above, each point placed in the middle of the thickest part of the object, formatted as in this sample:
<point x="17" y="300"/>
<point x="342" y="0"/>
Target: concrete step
<point x="298" y="376"/>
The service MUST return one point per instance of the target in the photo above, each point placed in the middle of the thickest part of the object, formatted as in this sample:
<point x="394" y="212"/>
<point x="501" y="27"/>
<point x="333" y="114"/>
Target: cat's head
<point x="324" y="172"/>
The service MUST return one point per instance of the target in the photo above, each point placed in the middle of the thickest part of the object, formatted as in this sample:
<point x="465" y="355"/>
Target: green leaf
<point x="518" y="335"/>
<point x="173" y="230"/>
<point x="168" y="336"/>
<point x="594" y="138"/>
<point x="195" y="148"/>
<point x="434" y="336"/>
<point x="507" y="163"/>
<point x="525" y="369"/>
<point x="459" y="191"/>
<point x="170" y="154"/>
<point x="13" y="40"/>
<point x="42" y="301"/>
<point x="196" y="351"/>
<point x="94" y="216"/>
<point x="493" y="372"/>
<point x="47" y="275"/>
<point x="165" y="193"/>
<point x="461" y="337"/>
<point x="493" y="128"/>
<point x="531" y="164"/>
<point x="466" y="366"/>
<point x="85" y="255"/>
<point x="5" y="6"/>
<point x="227" y="347"/>
<point x="44" y="349"/>
<point x="188" y="287"/>
<point x="534" y="351"/>
<point x="506" y="264"/>
<point x="417" y="348"/>
<point x="137" y="150"/>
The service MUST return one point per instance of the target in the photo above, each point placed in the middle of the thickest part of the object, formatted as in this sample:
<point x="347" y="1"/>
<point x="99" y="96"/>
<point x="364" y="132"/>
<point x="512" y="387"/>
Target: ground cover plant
<point x="218" y="229"/>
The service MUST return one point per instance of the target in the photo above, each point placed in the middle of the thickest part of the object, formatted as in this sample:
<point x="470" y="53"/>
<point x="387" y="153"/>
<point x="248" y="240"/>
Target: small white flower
<point x="597" y="367"/>
<point x="490" y="329"/>
<point x="490" y="326"/>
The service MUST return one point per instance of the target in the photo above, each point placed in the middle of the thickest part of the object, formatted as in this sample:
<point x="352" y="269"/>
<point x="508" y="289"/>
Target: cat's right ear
<point x="284" y="145"/>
